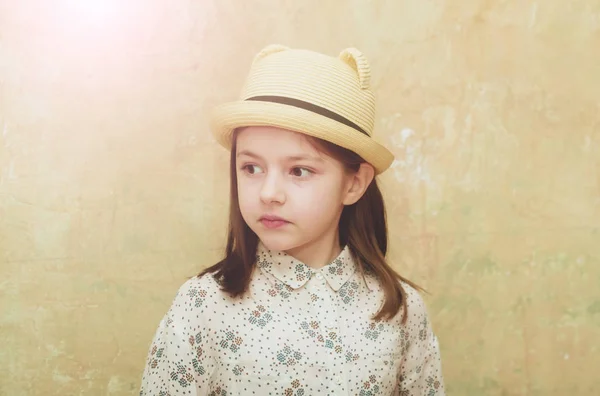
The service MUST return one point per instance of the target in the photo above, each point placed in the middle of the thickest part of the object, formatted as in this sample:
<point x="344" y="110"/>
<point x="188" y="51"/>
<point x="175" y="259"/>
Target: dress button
<point x="319" y="276"/>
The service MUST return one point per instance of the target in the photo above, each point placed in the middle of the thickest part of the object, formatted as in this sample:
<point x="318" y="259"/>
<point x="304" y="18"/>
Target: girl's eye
<point x="252" y="169"/>
<point x="301" y="172"/>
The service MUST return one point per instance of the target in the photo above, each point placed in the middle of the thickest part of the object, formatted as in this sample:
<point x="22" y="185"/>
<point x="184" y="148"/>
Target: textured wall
<point x="111" y="189"/>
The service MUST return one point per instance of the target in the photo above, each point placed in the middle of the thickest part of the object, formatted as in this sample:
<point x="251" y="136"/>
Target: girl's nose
<point x="272" y="190"/>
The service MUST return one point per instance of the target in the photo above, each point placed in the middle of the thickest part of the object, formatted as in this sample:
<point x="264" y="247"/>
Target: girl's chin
<point x="279" y="243"/>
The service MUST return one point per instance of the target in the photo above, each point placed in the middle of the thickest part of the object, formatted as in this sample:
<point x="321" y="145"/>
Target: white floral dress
<point x="299" y="331"/>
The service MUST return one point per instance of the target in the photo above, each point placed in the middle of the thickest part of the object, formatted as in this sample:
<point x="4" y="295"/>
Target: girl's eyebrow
<point x="248" y="153"/>
<point x="290" y="158"/>
<point x="304" y="158"/>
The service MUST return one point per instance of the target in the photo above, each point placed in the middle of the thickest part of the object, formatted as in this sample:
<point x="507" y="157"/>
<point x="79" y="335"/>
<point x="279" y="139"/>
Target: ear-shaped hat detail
<point x="356" y="60"/>
<point x="268" y="50"/>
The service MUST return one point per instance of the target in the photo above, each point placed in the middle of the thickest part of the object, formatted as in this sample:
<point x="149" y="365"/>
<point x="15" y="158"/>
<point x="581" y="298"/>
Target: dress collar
<point x="295" y="273"/>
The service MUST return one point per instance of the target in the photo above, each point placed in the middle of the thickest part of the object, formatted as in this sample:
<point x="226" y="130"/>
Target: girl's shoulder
<point x="199" y="291"/>
<point x="413" y="295"/>
<point x="415" y="304"/>
<point x="414" y="298"/>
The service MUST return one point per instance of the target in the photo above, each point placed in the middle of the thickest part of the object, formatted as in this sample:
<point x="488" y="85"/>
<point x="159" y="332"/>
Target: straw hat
<point x="311" y="93"/>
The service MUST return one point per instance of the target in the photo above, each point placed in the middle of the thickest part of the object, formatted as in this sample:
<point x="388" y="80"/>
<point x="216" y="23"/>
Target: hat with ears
<point x="311" y="93"/>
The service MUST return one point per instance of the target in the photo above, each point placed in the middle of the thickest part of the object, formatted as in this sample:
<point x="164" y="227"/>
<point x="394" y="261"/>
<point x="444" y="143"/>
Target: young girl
<point x="304" y="302"/>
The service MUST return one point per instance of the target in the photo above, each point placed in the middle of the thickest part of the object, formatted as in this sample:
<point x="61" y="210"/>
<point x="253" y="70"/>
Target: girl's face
<point x="290" y="194"/>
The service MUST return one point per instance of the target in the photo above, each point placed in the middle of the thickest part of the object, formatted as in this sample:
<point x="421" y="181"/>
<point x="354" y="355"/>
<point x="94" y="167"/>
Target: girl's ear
<point x="358" y="183"/>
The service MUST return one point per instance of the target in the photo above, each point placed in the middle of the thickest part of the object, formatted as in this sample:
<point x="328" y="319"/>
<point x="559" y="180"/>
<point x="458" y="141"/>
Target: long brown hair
<point x="362" y="226"/>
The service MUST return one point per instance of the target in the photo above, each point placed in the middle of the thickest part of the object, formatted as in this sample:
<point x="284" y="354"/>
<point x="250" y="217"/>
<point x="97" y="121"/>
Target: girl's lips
<point x="273" y="222"/>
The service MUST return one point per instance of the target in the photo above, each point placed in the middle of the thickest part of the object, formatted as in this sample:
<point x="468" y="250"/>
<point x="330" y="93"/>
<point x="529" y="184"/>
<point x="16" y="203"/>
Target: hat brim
<point x="230" y="116"/>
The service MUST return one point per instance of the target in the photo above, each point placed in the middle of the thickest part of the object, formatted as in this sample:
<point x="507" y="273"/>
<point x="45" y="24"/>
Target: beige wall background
<point x="112" y="191"/>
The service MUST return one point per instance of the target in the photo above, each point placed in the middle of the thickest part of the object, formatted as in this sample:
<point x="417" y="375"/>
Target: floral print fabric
<point x="298" y="331"/>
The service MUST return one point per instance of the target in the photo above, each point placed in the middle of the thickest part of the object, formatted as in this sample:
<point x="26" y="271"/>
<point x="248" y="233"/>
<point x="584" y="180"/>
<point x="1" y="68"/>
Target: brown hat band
<point x="310" y="107"/>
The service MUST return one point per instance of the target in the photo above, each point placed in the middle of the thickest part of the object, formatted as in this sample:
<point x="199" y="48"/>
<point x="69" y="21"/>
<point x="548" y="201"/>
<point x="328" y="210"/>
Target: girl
<point x="304" y="302"/>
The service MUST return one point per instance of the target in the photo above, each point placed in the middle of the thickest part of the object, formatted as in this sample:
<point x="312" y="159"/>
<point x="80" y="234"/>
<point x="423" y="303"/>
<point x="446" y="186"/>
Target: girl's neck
<point x="319" y="252"/>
